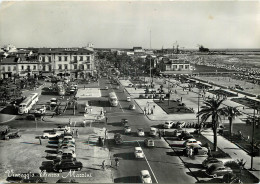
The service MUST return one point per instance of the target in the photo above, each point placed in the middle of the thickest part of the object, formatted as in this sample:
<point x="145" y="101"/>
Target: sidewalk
<point x="234" y="151"/>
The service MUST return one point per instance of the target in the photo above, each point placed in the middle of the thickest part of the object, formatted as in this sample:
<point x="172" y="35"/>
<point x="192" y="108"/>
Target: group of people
<point x="148" y="110"/>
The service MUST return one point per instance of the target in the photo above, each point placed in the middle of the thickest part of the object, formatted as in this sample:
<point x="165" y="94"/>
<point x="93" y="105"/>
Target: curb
<point x="9" y="119"/>
<point x="183" y="162"/>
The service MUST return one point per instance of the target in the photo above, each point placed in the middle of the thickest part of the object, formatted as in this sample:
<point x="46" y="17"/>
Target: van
<point x="153" y="131"/>
<point x="149" y="142"/>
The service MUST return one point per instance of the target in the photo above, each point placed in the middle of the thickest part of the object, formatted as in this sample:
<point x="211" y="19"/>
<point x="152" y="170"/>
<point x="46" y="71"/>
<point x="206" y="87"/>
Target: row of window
<point x="81" y="67"/>
<point x="176" y="66"/>
<point x="65" y="58"/>
<point x="22" y="68"/>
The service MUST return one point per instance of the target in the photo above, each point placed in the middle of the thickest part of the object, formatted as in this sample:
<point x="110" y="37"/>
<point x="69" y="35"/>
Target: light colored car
<point x="132" y="107"/>
<point x="140" y="132"/>
<point x="210" y="161"/>
<point x="130" y="85"/>
<point x="66" y="128"/>
<point x="216" y="170"/>
<point x="145" y="176"/>
<point x="199" y="150"/>
<point x="67" y="138"/>
<point x="153" y="131"/>
<point x="66" y="147"/>
<point x="106" y="88"/>
<point x="128" y="99"/>
<point x="139" y="152"/>
<point x="47" y="135"/>
<point x="127" y="129"/>
<point x="168" y="124"/>
<point x="66" y="152"/>
<point x="191" y="142"/>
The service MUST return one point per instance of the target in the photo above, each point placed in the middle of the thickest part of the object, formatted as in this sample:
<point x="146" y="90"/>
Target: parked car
<point x="47" y="135"/>
<point x="231" y="178"/>
<point x="67" y="138"/>
<point x="140" y="132"/>
<point x="184" y="136"/>
<point x="168" y="124"/>
<point x="191" y="142"/>
<point x="210" y="161"/>
<point x="66" y="153"/>
<point x="66" y="180"/>
<point x="67" y="166"/>
<point x="149" y="142"/>
<point x="106" y="88"/>
<point x="130" y="85"/>
<point x="63" y="159"/>
<point x="180" y="124"/>
<point x="124" y="121"/>
<point x="216" y="170"/>
<point x="153" y="131"/>
<point x="139" y="152"/>
<point x="132" y="107"/>
<point x="199" y="150"/>
<point x="65" y="147"/>
<point x="145" y="176"/>
<point x="118" y="138"/>
<point x="128" y="99"/>
<point x="34" y="178"/>
<point x="67" y="142"/>
<point x="127" y="129"/>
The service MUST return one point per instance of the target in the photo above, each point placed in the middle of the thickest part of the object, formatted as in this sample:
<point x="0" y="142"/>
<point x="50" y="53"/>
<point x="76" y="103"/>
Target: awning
<point x="46" y="74"/>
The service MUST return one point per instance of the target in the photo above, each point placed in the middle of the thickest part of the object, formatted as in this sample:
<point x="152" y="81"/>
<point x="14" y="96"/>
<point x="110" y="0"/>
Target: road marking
<point x="118" y="99"/>
<point x="149" y="165"/>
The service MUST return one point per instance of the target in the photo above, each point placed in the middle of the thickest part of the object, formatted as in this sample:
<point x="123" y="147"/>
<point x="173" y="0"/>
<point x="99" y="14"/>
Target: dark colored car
<point x="34" y="178"/>
<point x="66" y="166"/>
<point x="216" y="170"/>
<point x="231" y="178"/>
<point x="66" y="180"/>
<point x="118" y="138"/>
<point x="185" y="135"/>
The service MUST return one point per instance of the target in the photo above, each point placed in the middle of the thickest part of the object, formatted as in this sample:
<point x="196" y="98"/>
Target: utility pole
<point x="252" y="141"/>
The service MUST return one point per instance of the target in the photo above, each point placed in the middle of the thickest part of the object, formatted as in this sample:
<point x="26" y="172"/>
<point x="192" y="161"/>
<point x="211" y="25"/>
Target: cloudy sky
<point x="124" y="24"/>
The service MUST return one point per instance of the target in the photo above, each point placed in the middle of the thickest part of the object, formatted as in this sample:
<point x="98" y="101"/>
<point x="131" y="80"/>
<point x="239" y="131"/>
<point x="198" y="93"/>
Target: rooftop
<point x="64" y="50"/>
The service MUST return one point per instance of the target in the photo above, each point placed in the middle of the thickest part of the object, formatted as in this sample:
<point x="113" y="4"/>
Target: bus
<point x="112" y="98"/>
<point x="28" y="103"/>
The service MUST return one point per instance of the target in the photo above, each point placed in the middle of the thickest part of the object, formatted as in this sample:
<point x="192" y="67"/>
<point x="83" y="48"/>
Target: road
<point x="164" y="166"/>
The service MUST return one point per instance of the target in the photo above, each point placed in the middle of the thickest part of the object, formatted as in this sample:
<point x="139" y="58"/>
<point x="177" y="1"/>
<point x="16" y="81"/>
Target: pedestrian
<point x="144" y="110"/>
<point x="101" y="112"/>
<point x="117" y="162"/>
<point x="154" y="106"/>
<point x="53" y="115"/>
<point x="160" y="134"/>
<point x="70" y="122"/>
<point x="106" y="119"/>
<point x="209" y="151"/>
<point x="84" y="123"/>
<point x="72" y="132"/>
<point x="103" y="141"/>
<point x="181" y="99"/>
<point x="99" y="141"/>
<point x="40" y="140"/>
<point x="77" y="133"/>
<point x="103" y="165"/>
<point x="75" y="123"/>
<point x="151" y="111"/>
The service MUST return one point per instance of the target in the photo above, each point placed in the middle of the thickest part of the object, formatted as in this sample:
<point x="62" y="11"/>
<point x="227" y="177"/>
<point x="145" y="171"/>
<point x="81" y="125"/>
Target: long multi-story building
<point x="73" y="62"/>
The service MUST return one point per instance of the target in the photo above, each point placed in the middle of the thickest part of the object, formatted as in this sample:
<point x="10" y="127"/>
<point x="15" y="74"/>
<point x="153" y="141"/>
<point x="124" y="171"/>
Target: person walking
<point x="77" y="133"/>
<point x="104" y="165"/>
<point x="117" y="162"/>
<point x="72" y="132"/>
<point x="84" y="123"/>
<point x="151" y="110"/>
<point x="106" y="119"/>
<point x="70" y="122"/>
<point x="144" y="110"/>
<point x="40" y="140"/>
<point x="75" y="123"/>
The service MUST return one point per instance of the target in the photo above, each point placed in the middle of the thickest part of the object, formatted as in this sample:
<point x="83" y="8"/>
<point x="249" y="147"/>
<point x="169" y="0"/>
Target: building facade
<point x="73" y="62"/>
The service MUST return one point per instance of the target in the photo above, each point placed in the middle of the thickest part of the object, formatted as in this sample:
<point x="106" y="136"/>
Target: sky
<point x="125" y="24"/>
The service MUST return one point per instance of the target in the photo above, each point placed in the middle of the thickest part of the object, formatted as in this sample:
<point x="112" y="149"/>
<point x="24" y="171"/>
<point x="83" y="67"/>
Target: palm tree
<point x="212" y="109"/>
<point x="231" y="113"/>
